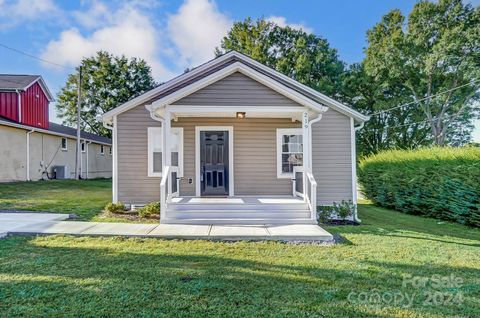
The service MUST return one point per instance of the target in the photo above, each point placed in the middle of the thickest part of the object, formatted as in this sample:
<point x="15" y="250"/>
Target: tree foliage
<point x="107" y="81"/>
<point x="305" y="57"/>
<point x="435" y="51"/>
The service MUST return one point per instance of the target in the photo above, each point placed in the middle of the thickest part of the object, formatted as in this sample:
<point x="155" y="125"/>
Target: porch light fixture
<point x="241" y="115"/>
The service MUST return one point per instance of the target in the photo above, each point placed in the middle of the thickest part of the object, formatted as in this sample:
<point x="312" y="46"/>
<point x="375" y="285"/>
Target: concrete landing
<point x="37" y="226"/>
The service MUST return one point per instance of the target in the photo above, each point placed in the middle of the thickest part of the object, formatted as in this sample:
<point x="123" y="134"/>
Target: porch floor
<point x="260" y="200"/>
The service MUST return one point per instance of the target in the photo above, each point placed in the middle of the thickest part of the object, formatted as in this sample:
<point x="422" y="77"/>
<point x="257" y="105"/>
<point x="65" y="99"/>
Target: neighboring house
<point x="31" y="146"/>
<point x="234" y="141"/>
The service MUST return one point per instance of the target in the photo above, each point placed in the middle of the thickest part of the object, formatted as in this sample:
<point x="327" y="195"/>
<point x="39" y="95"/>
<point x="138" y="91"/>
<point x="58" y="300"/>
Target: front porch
<point x="230" y="169"/>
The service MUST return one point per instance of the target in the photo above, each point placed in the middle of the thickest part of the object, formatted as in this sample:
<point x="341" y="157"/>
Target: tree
<point x="107" y="81"/>
<point x="399" y="128"/>
<point x="437" y="52"/>
<point x="305" y="57"/>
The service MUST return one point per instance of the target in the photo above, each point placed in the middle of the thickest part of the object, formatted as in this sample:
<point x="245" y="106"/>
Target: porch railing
<point x="169" y="188"/>
<point x="165" y="193"/>
<point x="305" y="186"/>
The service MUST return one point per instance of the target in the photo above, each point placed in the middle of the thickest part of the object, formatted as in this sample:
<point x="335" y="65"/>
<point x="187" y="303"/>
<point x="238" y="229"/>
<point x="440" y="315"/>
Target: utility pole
<point x="79" y="105"/>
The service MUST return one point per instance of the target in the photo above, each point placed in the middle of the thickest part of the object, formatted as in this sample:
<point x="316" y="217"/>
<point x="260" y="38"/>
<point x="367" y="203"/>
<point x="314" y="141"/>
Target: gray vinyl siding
<point x="134" y="185"/>
<point x="255" y="156"/>
<point x="236" y="89"/>
<point x="332" y="157"/>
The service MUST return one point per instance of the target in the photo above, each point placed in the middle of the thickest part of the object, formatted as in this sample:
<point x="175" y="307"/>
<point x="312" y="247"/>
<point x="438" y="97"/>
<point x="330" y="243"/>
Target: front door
<point x="214" y="163"/>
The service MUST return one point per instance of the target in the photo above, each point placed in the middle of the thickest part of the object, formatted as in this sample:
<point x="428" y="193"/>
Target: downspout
<point x="86" y="152"/>
<point x="313" y="121"/>
<point x="19" y="105"/>
<point x="28" y="154"/>
<point x="355" y="129"/>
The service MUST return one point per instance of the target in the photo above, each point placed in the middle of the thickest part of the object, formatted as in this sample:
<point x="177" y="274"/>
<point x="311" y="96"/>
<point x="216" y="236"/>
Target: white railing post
<point x="165" y="190"/>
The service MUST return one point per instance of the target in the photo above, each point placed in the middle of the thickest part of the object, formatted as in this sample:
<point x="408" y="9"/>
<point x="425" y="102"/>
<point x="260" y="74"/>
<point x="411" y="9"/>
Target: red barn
<point x="24" y="99"/>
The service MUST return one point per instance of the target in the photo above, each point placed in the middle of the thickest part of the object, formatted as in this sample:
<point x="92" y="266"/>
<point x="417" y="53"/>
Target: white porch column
<point x="306" y="141"/>
<point x="167" y="157"/>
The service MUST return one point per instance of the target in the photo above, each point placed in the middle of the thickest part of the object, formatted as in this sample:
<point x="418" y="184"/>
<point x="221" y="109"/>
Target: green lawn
<point x="85" y="198"/>
<point x="116" y="277"/>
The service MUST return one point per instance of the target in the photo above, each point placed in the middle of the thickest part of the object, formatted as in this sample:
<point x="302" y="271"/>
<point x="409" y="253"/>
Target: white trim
<point x="115" y="161"/>
<point x="353" y="147"/>
<point x="179" y="109"/>
<point x="186" y="76"/>
<point x="231" y="182"/>
<point x="151" y="132"/>
<point x="66" y="144"/>
<point x="280" y="133"/>
<point x="179" y="130"/>
<point x="43" y="86"/>
<point x="247" y="71"/>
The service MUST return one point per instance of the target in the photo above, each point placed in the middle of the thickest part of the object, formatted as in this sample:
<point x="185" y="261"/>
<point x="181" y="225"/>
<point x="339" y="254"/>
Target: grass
<point x="85" y="198"/>
<point x="115" y="277"/>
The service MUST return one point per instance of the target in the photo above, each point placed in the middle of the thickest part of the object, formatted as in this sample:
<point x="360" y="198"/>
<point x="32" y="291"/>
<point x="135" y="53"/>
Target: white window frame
<point x="83" y="146"/>
<point x="280" y="133"/>
<point x="102" y="150"/>
<point x="110" y="150"/>
<point x="66" y="144"/>
<point x="156" y="130"/>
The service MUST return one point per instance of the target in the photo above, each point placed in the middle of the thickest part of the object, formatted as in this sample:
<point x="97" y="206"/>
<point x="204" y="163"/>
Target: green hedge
<point x="442" y="183"/>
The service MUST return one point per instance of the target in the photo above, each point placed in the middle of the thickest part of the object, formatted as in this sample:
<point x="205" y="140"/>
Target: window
<point x="155" y="144"/>
<point x="64" y="144"/>
<point x="110" y="150"/>
<point x="289" y="151"/>
<point x="102" y="150"/>
<point x="83" y="146"/>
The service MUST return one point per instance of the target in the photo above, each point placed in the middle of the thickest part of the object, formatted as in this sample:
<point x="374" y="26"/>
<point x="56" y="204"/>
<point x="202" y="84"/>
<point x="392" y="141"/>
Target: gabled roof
<point x="15" y="82"/>
<point x="227" y="60"/>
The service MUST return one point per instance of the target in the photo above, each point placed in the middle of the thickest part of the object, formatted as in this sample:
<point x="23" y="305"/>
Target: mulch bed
<point x="340" y="222"/>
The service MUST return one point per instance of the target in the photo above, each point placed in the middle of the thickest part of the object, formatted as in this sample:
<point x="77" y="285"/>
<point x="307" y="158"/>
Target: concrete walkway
<point x="49" y="223"/>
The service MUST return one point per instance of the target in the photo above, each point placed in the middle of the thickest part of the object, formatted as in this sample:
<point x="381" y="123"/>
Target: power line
<point x="422" y="99"/>
<point x="427" y="120"/>
<point x="34" y="57"/>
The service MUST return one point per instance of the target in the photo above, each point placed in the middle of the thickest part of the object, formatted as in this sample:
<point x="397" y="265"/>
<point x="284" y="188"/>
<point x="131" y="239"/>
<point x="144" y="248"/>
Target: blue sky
<point x="170" y="35"/>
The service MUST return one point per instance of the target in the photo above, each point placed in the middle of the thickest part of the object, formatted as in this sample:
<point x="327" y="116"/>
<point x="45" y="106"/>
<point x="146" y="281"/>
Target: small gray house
<point x="234" y="141"/>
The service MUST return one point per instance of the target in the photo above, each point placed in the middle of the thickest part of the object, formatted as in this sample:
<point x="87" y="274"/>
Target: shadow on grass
<point x="388" y="223"/>
<point x="202" y="280"/>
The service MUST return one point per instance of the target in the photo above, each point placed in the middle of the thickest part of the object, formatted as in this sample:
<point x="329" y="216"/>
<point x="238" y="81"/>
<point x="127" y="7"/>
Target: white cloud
<point x="196" y="29"/>
<point x="282" y="22"/>
<point x="16" y="12"/>
<point x="98" y="14"/>
<point x="127" y="31"/>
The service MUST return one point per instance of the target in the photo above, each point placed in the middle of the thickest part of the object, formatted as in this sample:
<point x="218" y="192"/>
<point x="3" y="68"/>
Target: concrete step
<point x="223" y="207"/>
<point x="239" y="214"/>
<point x="253" y="221"/>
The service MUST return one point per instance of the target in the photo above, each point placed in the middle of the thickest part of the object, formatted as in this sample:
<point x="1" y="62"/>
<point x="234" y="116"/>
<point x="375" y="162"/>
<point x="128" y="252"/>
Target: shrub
<point x="149" y="209"/>
<point x="443" y="183"/>
<point x="341" y="211"/>
<point x="324" y="213"/>
<point x="344" y="210"/>
<point x="115" y="207"/>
